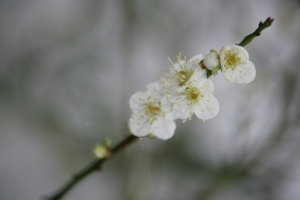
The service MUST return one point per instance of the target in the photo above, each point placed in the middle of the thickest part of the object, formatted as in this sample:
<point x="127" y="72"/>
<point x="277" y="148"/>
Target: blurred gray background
<point x="68" y="68"/>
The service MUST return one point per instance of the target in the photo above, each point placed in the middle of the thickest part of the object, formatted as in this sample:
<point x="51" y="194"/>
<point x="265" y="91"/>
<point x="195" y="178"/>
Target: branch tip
<point x="261" y="26"/>
<point x="270" y="20"/>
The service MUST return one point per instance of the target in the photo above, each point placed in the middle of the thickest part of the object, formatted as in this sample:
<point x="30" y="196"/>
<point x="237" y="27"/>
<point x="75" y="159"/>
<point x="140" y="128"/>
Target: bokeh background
<point x="68" y="68"/>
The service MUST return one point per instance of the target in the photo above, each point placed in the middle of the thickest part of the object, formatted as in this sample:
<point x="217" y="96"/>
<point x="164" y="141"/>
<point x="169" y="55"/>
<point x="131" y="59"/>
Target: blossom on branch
<point x="152" y="113"/>
<point x="179" y="73"/>
<point x="235" y="64"/>
<point x="196" y="97"/>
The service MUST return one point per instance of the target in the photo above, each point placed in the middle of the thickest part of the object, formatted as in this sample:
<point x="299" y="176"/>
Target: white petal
<point x="242" y="53"/>
<point x="248" y="71"/>
<point x="136" y="101"/>
<point x="206" y="87"/>
<point x="166" y="105"/>
<point x="138" y="126"/>
<point x="196" y="58"/>
<point x="153" y="90"/>
<point x="182" y="110"/>
<point x="208" y="109"/>
<point x="163" y="128"/>
<point x="199" y="74"/>
<point x="194" y="61"/>
<point x="152" y="86"/>
<point x="244" y="73"/>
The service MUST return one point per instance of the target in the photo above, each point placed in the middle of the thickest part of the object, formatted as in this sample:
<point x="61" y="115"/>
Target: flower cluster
<point x="185" y="89"/>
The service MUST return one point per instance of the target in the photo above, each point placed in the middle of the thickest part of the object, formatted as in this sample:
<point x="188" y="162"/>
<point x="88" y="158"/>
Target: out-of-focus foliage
<point x="68" y="68"/>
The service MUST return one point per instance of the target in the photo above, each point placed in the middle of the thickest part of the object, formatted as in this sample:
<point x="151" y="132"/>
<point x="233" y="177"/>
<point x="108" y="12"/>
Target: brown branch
<point x="91" y="167"/>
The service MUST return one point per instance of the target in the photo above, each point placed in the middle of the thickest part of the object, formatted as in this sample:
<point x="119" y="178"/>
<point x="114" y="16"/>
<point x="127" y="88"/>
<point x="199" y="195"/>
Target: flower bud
<point x="101" y="151"/>
<point x="211" y="60"/>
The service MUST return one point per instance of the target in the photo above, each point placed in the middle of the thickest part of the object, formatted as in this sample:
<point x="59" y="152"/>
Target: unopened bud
<point x="101" y="151"/>
<point x="211" y="60"/>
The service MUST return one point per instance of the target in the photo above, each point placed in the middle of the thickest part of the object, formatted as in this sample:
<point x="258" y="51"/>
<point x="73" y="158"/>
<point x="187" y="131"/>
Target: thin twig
<point x="257" y="32"/>
<point x="91" y="167"/>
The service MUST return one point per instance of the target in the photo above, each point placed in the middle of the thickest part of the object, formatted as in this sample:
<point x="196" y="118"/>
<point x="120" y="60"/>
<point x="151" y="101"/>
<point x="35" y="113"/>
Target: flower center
<point x="231" y="59"/>
<point x="184" y="76"/>
<point x="152" y="109"/>
<point x="193" y="94"/>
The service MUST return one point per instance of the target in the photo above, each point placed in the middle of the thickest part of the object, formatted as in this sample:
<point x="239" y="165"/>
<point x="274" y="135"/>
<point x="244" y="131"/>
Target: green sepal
<point x="208" y="73"/>
<point x="107" y="143"/>
<point x="128" y="129"/>
<point x="151" y="135"/>
<point x="215" y="70"/>
<point x="213" y="51"/>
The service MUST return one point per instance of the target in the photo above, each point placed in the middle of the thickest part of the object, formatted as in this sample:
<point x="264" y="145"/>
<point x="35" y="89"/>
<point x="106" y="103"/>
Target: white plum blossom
<point x="211" y="60"/>
<point x="179" y="73"/>
<point x="196" y="97"/>
<point x="235" y="64"/>
<point x="152" y="113"/>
